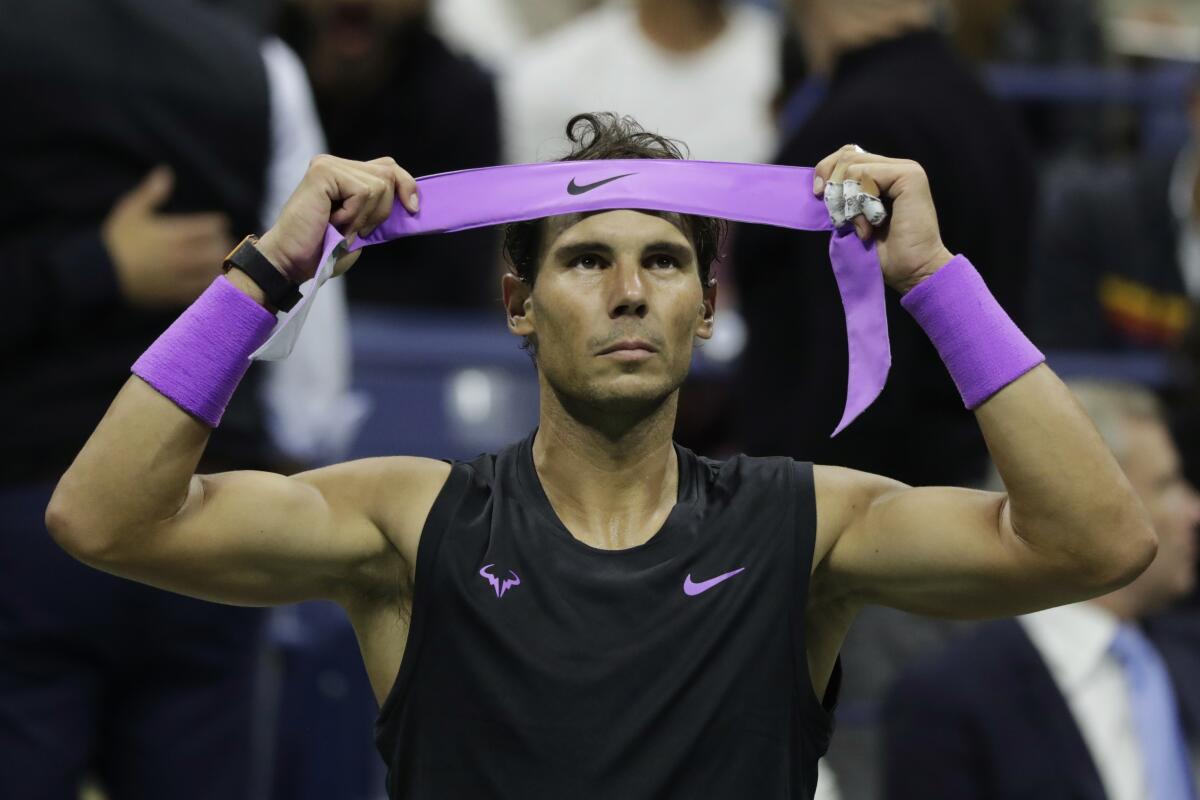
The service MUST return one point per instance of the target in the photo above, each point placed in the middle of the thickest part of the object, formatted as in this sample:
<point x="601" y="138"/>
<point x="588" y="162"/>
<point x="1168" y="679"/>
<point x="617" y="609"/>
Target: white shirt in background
<point x="1074" y="642"/>
<point x="827" y="786"/>
<point x="716" y="100"/>
<point x="311" y="413"/>
<point x="490" y="31"/>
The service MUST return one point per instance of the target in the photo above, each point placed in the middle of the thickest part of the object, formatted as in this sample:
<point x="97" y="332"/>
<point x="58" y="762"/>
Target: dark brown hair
<point x="605" y="135"/>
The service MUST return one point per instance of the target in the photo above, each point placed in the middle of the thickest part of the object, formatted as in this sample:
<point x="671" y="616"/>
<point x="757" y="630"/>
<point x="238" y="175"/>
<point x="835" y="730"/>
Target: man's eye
<point x="587" y="262"/>
<point x="664" y="262"/>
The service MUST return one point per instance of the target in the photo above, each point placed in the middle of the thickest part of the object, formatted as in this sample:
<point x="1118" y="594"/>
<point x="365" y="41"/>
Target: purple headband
<point x="757" y="193"/>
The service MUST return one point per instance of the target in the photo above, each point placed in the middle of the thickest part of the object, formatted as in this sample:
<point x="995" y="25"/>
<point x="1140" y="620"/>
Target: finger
<point x="873" y="209"/>
<point x="857" y="202"/>
<point x="152" y="191"/>
<point x="404" y="184"/>
<point x="382" y="208"/>
<point x="823" y="172"/>
<point x="345" y="262"/>
<point x="862" y="228"/>
<point x="883" y="175"/>
<point x="351" y="197"/>
<point x="852" y="155"/>
<point x="405" y="188"/>
<point x="377" y="204"/>
<point x="860" y="179"/>
<point x="835" y="202"/>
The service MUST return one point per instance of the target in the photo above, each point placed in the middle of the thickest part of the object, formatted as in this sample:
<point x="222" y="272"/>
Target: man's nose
<point x="628" y="290"/>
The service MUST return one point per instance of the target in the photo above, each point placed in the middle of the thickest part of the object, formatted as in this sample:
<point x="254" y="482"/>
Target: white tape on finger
<point x="847" y="200"/>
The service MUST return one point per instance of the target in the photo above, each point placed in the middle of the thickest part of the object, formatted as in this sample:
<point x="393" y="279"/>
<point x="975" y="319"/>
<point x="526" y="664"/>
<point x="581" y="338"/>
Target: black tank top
<point x="540" y="667"/>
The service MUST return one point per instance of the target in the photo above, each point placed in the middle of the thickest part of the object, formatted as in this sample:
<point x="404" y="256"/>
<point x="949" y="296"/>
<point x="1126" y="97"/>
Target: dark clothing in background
<point x="987" y="721"/>
<point x="435" y="113"/>
<point x="98" y="94"/>
<point x="148" y="690"/>
<point x="1106" y="269"/>
<point x="905" y="98"/>
<point x="1107" y="277"/>
<point x="538" y="666"/>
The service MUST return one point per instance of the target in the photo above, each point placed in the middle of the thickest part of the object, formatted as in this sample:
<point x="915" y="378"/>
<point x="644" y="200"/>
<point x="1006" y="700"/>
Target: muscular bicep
<point x="941" y="551"/>
<point x="258" y="538"/>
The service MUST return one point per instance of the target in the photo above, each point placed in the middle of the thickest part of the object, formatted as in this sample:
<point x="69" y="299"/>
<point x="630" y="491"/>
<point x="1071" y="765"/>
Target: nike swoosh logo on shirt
<point x="574" y="188"/>
<point x="692" y="589"/>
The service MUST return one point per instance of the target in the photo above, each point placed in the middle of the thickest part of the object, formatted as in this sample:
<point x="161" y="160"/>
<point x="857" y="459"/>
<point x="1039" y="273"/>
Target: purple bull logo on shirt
<point x="500" y="585"/>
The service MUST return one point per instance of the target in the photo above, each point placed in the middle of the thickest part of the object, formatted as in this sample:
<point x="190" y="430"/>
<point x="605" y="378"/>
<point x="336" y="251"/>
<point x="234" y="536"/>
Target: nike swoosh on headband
<point x="765" y="194"/>
<point x="573" y="188"/>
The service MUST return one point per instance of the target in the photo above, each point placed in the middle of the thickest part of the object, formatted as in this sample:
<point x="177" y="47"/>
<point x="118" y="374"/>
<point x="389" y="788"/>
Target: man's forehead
<point x="558" y="225"/>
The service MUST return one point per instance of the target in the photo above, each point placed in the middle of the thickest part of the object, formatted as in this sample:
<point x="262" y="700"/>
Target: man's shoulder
<point x="842" y="491"/>
<point x="395" y="492"/>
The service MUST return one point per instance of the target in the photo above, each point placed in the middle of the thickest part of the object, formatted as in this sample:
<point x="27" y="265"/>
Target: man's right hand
<point x="163" y="260"/>
<point x="354" y="196"/>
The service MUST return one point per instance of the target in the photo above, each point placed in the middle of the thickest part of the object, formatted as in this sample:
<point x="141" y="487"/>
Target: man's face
<point x="615" y="308"/>
<point x="1152" y="464"/>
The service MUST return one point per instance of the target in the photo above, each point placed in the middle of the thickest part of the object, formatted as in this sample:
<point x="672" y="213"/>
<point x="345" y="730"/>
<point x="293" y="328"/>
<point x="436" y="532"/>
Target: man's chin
<point x="623" y="395"/>
<point x="625" y="401"/>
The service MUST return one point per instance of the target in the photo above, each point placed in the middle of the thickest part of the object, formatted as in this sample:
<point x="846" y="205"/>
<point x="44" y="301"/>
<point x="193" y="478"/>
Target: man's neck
<point x="682" y="26"/>
<point x="611" y="490"/>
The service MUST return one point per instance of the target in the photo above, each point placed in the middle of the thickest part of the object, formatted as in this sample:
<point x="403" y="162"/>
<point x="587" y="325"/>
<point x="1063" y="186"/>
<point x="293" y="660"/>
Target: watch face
<point x="228" y="262"/>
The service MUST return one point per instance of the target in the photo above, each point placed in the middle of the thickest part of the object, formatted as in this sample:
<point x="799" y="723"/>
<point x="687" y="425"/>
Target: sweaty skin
<point x="1069" y="526"/>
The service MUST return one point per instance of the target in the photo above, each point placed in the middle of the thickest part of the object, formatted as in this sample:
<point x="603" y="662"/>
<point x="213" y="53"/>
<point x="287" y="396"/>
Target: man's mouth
<point x="629" y="350"/>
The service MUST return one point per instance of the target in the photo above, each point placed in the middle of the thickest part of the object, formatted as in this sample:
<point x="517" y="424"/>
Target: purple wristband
<point x="198" y="361"/>
<point x="978" y="342"/>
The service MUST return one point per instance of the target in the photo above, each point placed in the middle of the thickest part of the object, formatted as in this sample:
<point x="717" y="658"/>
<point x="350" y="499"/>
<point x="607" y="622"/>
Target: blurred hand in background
<point x="163" y="260"/>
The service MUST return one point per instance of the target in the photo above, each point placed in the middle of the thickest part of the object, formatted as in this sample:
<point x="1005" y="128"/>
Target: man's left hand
<point x="909" y="243"/>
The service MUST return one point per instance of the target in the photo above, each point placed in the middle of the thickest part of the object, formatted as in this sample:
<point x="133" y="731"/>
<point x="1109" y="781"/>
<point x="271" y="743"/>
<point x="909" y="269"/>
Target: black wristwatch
<point x="281" y="292"/>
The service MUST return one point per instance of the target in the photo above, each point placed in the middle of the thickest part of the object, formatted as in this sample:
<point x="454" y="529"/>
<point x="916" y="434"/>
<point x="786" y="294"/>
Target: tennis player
<point x="595" y="611"/>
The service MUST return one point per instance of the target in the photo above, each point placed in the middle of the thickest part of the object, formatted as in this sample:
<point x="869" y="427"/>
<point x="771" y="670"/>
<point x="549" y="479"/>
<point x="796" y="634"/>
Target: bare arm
<point x="1069" y="526"/>
<point x="132" y="504"/>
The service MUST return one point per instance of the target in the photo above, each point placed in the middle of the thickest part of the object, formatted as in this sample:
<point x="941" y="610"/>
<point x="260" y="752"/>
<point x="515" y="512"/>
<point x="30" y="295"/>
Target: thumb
<point x="153" y="190"/>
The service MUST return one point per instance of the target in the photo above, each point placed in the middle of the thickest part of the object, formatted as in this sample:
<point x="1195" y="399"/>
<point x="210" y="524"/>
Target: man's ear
<point x="517" y="304"/>
<point x="707" y="310"/>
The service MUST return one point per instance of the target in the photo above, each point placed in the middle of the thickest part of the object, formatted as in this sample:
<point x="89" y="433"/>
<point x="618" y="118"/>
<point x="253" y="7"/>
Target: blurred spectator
<point x="1072" y="701"/>
<point x="149" y="690"/>
<point x="895" y="89"/>
<point x="1042" y="32"/>
<point x="1047" y="34"/>
<point x="703" y="71"/>
<point x="1118" y="261"/>
<point x="386" y="85"/>
<point x="497" y="31"/>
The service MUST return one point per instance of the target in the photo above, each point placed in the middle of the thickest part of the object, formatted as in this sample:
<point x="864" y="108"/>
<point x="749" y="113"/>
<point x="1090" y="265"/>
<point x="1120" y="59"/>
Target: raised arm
<point x="131" y="503"/>
<point x="1069" y="526"/>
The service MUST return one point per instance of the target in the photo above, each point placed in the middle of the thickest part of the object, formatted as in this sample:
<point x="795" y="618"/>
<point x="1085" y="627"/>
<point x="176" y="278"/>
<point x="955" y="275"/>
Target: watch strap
<point x="281" y="292"/>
